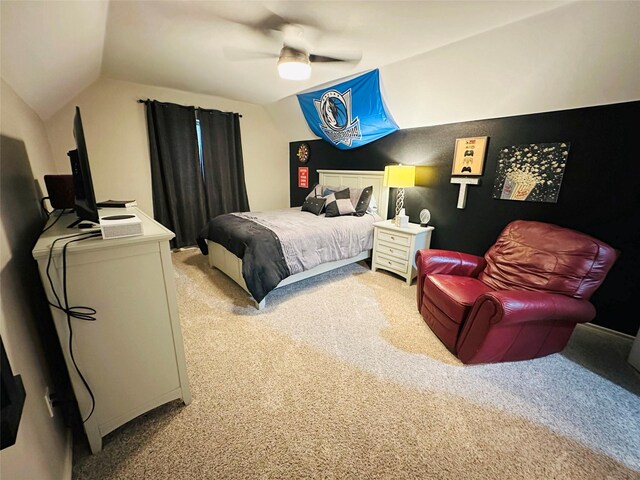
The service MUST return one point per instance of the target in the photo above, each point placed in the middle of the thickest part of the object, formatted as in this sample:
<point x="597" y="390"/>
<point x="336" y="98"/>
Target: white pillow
<point x="373" y="205"/>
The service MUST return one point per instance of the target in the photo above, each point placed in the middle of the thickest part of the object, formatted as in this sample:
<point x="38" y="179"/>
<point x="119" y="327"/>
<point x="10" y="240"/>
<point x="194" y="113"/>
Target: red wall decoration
<point x="303" y="177"/>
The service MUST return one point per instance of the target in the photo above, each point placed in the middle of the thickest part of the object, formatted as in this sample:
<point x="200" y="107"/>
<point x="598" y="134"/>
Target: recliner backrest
<point x="543" y="257"/>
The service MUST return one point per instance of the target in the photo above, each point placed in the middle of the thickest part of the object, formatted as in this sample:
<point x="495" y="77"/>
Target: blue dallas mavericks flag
<point x="350" y="114"/>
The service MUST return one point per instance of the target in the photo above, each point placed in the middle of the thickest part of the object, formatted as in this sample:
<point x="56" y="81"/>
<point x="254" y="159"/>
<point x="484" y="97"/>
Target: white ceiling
<point x="53" y="50"/>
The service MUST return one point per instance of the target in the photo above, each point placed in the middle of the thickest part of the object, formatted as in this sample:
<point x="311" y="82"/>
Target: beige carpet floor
<point x="340" y="378"/>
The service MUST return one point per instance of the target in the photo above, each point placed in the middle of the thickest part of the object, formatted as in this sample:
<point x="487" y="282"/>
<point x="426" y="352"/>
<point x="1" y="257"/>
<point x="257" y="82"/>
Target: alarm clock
<point x="425" y="216"/>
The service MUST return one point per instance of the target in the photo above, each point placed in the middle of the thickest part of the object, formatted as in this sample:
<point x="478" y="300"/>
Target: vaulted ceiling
<point x="52" y="50"/>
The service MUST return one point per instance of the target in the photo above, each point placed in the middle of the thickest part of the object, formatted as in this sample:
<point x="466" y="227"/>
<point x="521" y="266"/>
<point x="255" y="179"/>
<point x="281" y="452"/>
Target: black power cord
<point x="43" y="206"/>
<point x="62" y="212"/>
<point x="78" y="312"/>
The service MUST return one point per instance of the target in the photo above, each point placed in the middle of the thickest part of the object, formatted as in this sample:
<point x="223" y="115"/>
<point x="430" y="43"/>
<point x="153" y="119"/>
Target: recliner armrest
<point x="538" y="320"/>
<point x="445" y="262"/>
<point x="449" y="263"/>
<point x="502" y="315"/>
<point x="517" y="306"/>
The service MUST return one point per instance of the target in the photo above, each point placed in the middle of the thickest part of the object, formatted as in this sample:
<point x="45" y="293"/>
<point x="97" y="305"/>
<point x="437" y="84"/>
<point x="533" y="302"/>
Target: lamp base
<point x="399" y="201"/>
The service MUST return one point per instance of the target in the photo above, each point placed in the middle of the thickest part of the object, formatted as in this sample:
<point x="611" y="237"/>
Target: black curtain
<point x="222" y="160"/>
<point x="176" y="175"/>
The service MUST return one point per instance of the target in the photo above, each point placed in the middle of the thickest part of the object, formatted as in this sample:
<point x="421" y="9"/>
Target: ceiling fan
<point x="294" y="60"/>
<point x="295" y="64"/>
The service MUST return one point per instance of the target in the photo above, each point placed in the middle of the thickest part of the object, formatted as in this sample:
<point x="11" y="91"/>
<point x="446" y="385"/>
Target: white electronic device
<point x="425" y="216"/>
<point x="117" y="226"/>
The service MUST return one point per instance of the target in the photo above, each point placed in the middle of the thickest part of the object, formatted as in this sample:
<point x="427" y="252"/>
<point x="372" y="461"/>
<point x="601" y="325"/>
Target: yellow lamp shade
<point x="399" y="176"/>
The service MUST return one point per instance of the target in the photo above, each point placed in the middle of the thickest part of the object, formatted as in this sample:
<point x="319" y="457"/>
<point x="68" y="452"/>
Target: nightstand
<point x="394" y="248"/>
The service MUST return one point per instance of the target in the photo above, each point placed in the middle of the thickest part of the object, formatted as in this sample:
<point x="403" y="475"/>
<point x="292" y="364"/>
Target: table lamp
<point x="399" y="176"/>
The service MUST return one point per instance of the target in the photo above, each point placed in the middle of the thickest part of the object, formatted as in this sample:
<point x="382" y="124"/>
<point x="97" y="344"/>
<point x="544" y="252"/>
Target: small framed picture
<point x="303" y="177"/>
<point x="468" y="156"/>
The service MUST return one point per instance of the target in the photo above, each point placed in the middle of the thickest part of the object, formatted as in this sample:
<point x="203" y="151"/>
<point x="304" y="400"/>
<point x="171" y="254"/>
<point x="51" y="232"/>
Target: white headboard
<point x="360" y="179"/>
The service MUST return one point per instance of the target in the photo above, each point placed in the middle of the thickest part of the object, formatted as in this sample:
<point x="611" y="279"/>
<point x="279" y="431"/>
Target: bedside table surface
<point x="413" y="228"/>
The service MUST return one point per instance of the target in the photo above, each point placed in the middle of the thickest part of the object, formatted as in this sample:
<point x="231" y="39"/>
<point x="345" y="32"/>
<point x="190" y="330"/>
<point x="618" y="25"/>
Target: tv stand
<point x="72" y="225"/>
<point x="132" y="355"/>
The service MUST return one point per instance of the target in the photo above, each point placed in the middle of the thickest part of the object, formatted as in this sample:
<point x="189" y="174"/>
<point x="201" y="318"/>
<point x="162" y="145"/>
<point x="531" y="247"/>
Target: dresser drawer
<point x="390" y="263"/>
<point x="393" y="250"/>
<point x="395" y="238"/>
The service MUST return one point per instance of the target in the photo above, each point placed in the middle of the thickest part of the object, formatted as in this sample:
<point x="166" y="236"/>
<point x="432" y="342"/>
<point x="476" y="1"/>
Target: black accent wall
<point x="600" y="192"/>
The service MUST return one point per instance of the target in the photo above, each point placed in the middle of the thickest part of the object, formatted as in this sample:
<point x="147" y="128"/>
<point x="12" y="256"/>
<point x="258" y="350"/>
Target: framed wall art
<point x="468" y="156"/>
<point x="531" y="172"/>
<point x="303" y="177"/>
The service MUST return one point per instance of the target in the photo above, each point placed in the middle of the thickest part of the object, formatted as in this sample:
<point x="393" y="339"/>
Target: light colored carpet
<point x="340" y="378"/>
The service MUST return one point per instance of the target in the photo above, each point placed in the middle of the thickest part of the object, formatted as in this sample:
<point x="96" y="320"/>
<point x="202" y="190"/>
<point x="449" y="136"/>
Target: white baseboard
<point x="609" y="331"/>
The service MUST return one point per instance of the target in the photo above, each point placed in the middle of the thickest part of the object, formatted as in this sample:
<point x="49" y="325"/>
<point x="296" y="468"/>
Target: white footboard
<point x="227" y="263"/>
<point x="231" y="266"/>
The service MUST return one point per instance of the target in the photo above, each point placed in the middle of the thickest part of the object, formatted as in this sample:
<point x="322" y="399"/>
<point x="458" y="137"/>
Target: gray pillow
<point x="362" y="206"/>
<point x="339" y="204"/>
<point x="313" y="205"/>
<point x="318" y="190"/>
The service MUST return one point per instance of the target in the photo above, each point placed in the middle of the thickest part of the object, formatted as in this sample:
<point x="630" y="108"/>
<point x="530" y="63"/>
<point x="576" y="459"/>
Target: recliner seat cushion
<point x="541" y="257"/>
<point x="454" y="295"/>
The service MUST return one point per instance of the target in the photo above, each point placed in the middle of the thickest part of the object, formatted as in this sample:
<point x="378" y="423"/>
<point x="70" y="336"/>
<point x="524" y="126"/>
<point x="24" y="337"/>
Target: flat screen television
<point x="85" y="198"/>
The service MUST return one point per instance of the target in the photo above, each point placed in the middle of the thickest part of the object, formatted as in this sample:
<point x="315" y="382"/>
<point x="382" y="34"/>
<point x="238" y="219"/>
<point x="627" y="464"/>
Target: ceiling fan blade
<point x="238" y="54"/>
<point x="272" y="22"/>
<point x="354" y="59"/>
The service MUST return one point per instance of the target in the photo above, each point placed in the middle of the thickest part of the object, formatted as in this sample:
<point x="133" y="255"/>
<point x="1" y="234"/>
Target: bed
<point x="313" y="261"/>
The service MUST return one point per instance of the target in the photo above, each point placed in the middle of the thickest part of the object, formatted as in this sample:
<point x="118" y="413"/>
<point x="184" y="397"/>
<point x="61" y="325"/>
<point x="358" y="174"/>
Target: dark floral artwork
<point x="531" y="172"/>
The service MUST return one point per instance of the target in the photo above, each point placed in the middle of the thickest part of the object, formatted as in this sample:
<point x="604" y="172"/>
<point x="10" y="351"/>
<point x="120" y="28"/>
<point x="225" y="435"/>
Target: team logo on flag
<point x="334" y="111"/>
<point x="350" y="114"/>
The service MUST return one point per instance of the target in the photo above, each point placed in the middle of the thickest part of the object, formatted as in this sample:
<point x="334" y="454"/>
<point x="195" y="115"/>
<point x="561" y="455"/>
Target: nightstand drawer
<point x="391" y="263"/>
<point x="393" y="250"/>
<point x="393" y="237"/>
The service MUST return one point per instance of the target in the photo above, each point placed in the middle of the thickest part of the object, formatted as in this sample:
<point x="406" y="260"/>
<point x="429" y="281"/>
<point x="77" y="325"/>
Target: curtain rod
<point x="143" y="100"/>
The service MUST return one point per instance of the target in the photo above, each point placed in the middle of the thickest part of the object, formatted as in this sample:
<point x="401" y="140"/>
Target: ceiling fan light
<point x="293" y="65"/>
<point x="294" y="70"/>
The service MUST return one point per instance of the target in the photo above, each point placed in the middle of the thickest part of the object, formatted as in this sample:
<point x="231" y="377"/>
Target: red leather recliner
<point x="521" y="301"/>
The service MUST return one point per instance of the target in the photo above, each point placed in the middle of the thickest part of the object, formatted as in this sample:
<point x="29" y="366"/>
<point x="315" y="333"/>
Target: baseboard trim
<point x="68" y="461"/>
<point x="609" y="331"/>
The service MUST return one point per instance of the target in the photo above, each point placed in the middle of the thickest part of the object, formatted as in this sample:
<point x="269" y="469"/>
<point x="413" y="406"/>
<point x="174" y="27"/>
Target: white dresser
<point x="132" y="355"/>
<point x="394" y="248"/>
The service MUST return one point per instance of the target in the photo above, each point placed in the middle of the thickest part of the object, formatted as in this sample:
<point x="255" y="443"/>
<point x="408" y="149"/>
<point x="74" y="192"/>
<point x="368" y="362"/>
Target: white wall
<point x="582" y="54"/>
<point x="42" y="449"/>
<point x="117" y="143"/>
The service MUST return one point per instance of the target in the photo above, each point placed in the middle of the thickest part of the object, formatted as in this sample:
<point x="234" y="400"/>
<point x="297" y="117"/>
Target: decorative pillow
<point x="354" y="194"/>
<point x="339" y="204"/>
<point x="318" y="190"/>
<point x="373" y="205"/>
<point x="313" y="205"/>
<point x="363" y="201"/>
